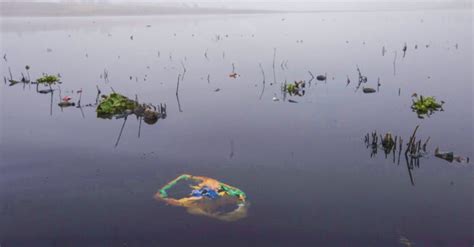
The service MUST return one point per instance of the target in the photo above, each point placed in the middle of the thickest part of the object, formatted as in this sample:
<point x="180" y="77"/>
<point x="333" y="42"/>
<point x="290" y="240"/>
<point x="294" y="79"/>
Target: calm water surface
<point x="308" y="175"/>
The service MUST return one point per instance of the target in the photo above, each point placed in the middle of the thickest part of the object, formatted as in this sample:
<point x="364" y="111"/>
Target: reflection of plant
<point x="48" y="79"/>
<point x="425" y="105"/>
<point x="114" y="104"/>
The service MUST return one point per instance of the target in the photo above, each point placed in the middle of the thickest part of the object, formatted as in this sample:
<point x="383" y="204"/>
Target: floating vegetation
<point x="119" y="106"/>
<point x="48" y="80"/>
<point x="425" y="106"/>
<point x="205" y="196"/>
<point x="295" y="88"/>
<point x="115" y="104"/>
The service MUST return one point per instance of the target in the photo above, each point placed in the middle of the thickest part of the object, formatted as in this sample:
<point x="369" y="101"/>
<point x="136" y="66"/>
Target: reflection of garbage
<point x="205" y="196"/>
<point x="449" y="156"/>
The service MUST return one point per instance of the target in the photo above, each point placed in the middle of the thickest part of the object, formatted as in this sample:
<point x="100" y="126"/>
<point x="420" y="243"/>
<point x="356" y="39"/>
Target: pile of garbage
<point x="205" y="196"/>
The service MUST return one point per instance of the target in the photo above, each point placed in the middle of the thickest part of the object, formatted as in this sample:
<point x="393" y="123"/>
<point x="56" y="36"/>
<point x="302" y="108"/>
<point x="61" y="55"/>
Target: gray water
<point x="304" y="166"/>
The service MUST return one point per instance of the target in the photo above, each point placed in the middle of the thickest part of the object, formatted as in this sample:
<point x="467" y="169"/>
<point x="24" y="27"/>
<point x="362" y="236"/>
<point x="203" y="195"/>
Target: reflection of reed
<point x="121" y="131"/>
<point x="177" y="94"/>
<point x="415" y="150"/>
<point x="263" y="81"/>
<point x="273" y="66"/>
<point x="310" y="80"/>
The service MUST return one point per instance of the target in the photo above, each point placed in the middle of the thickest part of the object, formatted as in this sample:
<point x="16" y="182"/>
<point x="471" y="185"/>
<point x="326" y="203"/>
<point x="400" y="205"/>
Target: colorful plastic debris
<point x="206" y="196"/>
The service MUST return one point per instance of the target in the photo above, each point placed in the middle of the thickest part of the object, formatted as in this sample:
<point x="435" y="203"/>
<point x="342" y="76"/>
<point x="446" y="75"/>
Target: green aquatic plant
<point x="114" y="104"/>
<point x="48" y="79"/>
<point x="291" y="88"/>
<point x="295" y="88"/>
<point x="426" y="106"/>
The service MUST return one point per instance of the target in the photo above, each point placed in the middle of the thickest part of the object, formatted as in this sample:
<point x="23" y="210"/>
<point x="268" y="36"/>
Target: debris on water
<point x="405" y="241"/>
<point x="321" y="77"/>
<point x="368" y="90"/>
<point x="292" y="101"/>
<point x="49" y="50"/>
<point x="131" y="37"/>
<point x="206" y="197"/>
<point x="234" y="75"/>
<point x="45" y="91"/>
<point x="449" y="156"/>
<point x="217" y="90"/>
<point x="275" y="98"/>
<point x="405" y="49"/>
<point x="425" y="106"/>
<point x="66" y="103"/>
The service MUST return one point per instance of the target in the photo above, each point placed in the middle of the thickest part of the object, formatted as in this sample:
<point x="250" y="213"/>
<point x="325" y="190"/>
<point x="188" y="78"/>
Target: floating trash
<point x="205" y="196"/>
<point x="321" y="77"/>
<point x="449" y="156"/>
<point x="368" y="90"/>
<point x="233" y="75"/>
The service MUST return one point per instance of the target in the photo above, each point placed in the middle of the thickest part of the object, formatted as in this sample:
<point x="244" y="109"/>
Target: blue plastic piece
<point x="205" y="192"/>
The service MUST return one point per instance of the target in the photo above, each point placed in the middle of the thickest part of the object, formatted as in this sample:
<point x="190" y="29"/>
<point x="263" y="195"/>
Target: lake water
<point x="309" y="177"/>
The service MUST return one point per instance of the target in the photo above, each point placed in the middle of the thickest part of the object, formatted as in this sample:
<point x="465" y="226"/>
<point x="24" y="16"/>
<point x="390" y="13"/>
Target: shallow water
<point x="307" y="173"/>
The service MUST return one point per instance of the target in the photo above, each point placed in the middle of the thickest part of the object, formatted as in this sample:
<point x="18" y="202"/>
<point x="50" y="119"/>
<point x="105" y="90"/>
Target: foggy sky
<point x="265" y="4"/>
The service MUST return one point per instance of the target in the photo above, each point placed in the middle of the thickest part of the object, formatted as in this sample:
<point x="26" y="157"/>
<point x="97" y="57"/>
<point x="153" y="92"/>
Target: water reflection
<point x="393" y="147"/>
